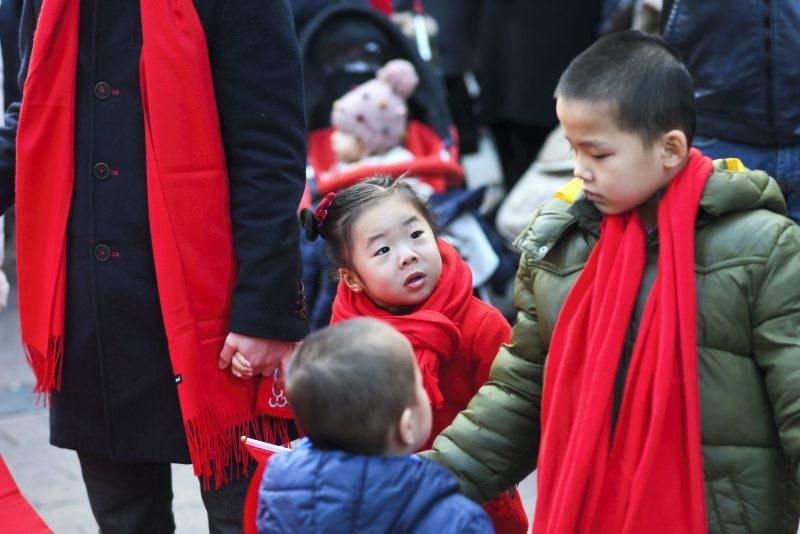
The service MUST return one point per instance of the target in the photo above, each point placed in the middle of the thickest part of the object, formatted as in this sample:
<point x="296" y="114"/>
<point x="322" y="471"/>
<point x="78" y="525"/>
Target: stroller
<point x="341" y="47"/>
<point x="344" y="46"/>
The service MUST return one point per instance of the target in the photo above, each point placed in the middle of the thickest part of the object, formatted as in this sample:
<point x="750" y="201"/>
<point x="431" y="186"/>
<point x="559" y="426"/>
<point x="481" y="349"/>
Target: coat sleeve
<point x="258" y="81"/>
<point x="493" y="332"/>
<point x="494" y="443"/>
<point x="8" y="130"/>
<point x="8" y="151"/>
<point x="776" y="338"/>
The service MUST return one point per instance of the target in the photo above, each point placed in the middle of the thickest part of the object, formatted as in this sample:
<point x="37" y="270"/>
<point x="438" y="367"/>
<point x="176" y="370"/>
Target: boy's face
<point x="618" y="172"/>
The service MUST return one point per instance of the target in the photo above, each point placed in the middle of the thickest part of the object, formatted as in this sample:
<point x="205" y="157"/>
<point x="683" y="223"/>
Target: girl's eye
<point x="600" y="156"/>
<point x="417" y="234"/>
<point x="382" y="251"/>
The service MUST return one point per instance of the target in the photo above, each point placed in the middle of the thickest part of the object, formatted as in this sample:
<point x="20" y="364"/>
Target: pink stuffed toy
<point x="371" y="120"/>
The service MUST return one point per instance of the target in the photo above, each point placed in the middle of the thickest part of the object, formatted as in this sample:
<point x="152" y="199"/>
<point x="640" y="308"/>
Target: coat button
<point x="101" y="171"/>
<point x="102" y="90"/>
<point x="102" y="252"/>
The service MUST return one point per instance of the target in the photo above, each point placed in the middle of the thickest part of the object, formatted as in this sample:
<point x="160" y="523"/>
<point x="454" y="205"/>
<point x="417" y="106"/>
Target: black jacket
<point x="118" y="396"/>
<point x="744" y="56"/>
<point x="457" y="38"/>
<point x="525" y="46"/>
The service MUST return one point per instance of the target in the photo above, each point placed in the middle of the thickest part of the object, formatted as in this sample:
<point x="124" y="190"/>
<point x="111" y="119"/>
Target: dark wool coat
<point x="118" y="397"/>
<point x="457" y="38"/>
<point x="525" y="46"/>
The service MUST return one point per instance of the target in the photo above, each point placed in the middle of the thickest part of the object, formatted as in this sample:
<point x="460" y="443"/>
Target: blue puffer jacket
<point x="311" y="490"/>
<point x="743" y="56"/>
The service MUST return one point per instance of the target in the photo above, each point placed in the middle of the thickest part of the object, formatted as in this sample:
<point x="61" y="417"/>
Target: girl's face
<point x="394" y="256"/>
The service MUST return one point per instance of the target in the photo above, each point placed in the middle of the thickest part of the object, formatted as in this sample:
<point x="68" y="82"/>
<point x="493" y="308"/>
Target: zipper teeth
<point x="673" y="17"/>
<point x="768" y="68"/>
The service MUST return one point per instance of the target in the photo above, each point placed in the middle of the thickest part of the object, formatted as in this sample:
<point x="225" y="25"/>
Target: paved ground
<point x="50" y="477"/>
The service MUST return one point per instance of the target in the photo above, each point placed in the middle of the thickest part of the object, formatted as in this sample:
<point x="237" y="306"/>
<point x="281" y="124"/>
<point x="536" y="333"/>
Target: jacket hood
<point x="310" y="488"/>
<point x="730" y="188"/>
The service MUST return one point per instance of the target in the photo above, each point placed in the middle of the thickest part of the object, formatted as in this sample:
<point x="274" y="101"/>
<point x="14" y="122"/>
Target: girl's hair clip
<point x="322" y="209"/>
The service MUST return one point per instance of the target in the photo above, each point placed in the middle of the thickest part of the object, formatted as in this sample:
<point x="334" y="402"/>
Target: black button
<point x="102" y="252"/>
<point x="102" y="90"/>
<point x="101" y="171"/>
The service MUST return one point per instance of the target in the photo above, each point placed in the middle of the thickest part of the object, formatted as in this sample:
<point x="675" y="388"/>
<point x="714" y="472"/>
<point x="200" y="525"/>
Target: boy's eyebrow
<point x="587" y="143"/>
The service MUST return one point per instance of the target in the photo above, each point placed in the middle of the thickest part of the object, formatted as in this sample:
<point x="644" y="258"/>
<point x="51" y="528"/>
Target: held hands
<point x="249" y="356"/>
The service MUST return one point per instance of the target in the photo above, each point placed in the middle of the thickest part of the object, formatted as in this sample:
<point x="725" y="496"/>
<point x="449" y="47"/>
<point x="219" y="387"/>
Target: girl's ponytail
<point x="309" y="223"/>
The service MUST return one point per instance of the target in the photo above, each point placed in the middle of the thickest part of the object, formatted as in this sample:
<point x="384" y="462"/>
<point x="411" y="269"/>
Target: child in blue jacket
<point x="357" y="394"/>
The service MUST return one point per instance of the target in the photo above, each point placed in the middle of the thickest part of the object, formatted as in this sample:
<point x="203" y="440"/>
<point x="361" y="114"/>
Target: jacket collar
<point x="730" y="188"/>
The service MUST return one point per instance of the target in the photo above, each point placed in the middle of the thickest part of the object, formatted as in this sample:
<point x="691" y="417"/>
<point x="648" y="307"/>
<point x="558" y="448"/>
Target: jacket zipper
<point x="773" y="138"/>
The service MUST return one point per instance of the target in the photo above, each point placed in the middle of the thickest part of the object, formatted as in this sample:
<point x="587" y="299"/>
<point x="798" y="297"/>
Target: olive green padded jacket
<point x="747" y="258"/>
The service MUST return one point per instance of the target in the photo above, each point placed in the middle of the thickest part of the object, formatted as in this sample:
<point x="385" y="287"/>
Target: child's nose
<point x="408" y="257"/>
<point x="582" y="170"/>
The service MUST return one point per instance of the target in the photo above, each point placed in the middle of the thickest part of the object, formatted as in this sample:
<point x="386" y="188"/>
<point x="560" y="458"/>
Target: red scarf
<point x="432" y="328"/>
<point x="646" y="476"/>
<point x="187" y="194"/>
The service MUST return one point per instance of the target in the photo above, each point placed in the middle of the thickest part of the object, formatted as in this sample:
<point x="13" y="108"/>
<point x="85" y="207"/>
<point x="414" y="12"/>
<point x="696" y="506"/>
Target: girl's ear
<point x="351" y="279"/>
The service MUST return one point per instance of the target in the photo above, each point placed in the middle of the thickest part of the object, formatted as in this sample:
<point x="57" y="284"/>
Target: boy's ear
<point x="400" y="439"/>
<point x="405" y="428"/>
<point x="675" y="148"/>
<point x="350" y="279"/>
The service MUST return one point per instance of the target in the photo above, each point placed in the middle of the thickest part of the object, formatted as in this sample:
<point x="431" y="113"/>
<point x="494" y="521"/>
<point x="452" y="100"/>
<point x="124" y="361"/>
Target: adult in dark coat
<point x="118" y="404"/>
<point x="9" y="46"/>
<point x="456" y="45"/>
<point x="743" y="57"/>
<point x="525" y="46"/>
<point x="305" y="10"/>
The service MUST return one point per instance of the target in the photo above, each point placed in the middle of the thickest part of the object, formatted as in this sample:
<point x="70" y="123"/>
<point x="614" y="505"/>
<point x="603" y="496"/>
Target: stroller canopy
<point x="344" y="46"/>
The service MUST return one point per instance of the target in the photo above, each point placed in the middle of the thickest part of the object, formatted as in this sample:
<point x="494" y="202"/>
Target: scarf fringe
<point x="46" y="367"/>
<point x="215" y="447"/>
<point x="430" y="381"/>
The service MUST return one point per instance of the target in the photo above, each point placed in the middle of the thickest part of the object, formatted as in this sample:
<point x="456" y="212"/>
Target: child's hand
<point x="249" y="356"/>
<point x="240" y="367"/>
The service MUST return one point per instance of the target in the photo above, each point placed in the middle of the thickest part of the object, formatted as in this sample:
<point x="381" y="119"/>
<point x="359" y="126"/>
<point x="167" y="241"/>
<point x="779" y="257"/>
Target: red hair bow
<point x="322" y="209"/>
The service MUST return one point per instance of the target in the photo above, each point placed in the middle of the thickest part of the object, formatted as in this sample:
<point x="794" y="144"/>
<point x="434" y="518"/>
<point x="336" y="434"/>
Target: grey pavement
<point x="50" y="477"/>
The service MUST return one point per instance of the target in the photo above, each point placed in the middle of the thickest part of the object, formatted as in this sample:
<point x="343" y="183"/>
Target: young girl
<point x="391" y="266"/>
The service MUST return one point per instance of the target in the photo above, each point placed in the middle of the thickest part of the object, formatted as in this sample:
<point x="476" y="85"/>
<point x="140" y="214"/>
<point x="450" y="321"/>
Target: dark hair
<point x="349" y="383"/>
<point x="644" y="80"/>
<point x="348" y="205"/>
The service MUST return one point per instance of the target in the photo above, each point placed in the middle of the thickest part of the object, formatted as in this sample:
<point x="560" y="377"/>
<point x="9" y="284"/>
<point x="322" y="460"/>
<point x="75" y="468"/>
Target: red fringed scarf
<point x="646" y="476"/>
<point x="187" y="190"/>
<point x="432" y="328"/>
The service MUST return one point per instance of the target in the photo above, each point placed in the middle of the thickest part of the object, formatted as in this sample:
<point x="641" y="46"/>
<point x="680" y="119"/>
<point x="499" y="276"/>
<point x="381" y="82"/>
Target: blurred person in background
<point x="524" y="48"/>
<point x="743" y="57"/>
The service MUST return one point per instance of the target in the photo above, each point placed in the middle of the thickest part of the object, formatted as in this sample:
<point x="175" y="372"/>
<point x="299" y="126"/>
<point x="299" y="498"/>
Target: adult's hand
<point x="249" y="356"/>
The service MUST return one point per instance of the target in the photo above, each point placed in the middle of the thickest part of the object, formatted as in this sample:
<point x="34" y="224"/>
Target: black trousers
<point x="137" y="498"/>
<point x="517" y="146"/>
<point x="462" y="111"/>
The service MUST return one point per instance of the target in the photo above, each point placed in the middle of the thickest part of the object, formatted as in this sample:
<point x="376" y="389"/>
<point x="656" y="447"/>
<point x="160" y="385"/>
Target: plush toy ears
<point x="400" y="75"/>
